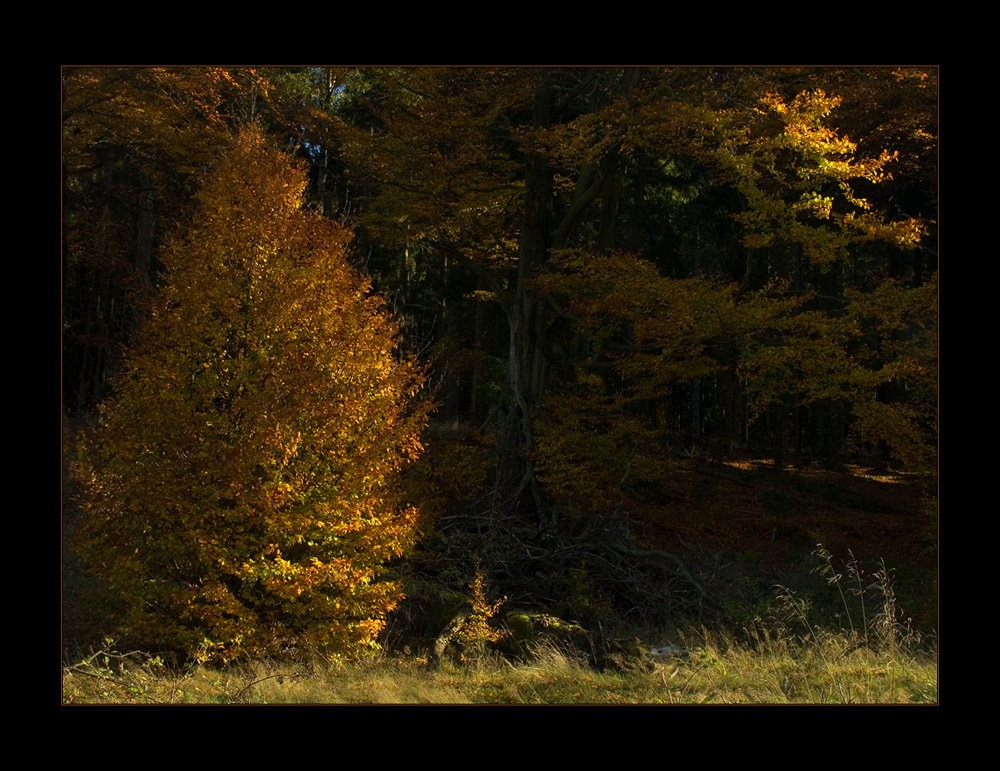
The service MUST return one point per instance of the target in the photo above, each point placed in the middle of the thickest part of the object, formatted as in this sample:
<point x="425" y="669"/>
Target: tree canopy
<point x="656" y="229"/>
<point x="239" y="486"/>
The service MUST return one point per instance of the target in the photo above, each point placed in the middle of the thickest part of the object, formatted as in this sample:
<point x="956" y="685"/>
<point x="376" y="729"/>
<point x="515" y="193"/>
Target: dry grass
<point x="831" y="669"/>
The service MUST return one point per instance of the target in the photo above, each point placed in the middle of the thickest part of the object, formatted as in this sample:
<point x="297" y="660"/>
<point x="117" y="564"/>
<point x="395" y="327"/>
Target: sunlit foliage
<point x="239" y="488"/>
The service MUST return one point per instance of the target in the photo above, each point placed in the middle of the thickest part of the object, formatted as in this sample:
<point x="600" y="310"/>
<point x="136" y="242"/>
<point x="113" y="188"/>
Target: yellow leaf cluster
<point x="797" y="176"/>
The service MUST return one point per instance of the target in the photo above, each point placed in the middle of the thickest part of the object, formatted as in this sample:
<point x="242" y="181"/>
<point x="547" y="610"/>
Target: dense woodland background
<point x="631" y="286"/>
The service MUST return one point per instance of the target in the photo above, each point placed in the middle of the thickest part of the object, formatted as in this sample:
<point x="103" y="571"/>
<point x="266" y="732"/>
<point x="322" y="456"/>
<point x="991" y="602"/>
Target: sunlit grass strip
<point x="717" y="670"/>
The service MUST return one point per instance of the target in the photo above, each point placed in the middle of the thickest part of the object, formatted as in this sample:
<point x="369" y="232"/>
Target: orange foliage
<point x="239" y="489"/>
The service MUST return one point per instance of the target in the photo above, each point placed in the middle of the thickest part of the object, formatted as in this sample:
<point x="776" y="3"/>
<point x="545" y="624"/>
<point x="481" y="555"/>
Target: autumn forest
<point x="380" y="356"/>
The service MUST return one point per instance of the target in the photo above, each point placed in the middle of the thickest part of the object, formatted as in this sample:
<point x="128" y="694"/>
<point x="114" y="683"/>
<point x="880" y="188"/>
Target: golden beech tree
<point x="239" y="488"/>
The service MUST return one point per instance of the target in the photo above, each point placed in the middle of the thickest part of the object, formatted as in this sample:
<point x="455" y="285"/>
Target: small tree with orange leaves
<point x="239" y="488"/>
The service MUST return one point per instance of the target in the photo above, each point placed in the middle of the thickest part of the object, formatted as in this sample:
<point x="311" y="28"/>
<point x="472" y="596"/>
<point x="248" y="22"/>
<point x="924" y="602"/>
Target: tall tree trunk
<point x="144" y="235"/>
<point x="530" y="312"/>
<point x="527" y="322"/>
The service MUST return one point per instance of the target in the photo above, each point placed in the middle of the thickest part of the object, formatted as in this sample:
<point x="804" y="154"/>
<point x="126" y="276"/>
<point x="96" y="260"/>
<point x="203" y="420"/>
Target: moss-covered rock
<point x="528" y="630"/>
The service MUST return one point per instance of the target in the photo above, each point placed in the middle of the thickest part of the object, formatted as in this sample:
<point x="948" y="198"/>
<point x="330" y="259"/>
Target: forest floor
<point x="743" y="504"/>
<point x="746" y="509"/>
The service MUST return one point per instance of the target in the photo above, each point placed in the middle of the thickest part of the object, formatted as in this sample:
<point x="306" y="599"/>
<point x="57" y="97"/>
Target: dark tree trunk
<point x="530" y="314"/>
<point x="527" y="323"/>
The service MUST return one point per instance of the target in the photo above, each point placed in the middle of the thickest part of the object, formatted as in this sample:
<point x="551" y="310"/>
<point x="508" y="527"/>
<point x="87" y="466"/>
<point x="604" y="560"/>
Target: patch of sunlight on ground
<point x="854" y="469"/>
<point x="893" y="478"/>
<point x="746" y="465"/>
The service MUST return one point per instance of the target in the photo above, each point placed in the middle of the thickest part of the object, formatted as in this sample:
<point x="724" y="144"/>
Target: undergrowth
<point x="873" y="657"/>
